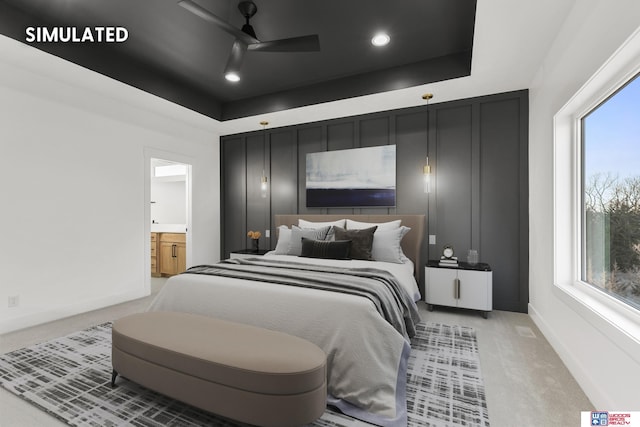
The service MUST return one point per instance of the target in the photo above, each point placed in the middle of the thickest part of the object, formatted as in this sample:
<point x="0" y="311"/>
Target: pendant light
<point x="426" y="170"/>
<point x="426" y="176"/>
<point x="264" y="182"/>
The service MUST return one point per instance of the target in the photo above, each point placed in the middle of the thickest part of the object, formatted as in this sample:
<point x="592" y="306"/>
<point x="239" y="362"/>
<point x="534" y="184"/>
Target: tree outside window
<point x="611" y="195"/>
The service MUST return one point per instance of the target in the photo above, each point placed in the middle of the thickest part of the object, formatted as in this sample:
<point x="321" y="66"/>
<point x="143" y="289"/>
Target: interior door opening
<point x="169" y="191"/>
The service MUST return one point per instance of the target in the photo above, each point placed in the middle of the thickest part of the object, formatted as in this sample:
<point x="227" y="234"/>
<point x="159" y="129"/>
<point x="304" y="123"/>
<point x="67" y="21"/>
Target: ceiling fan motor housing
<point x="246" y="39"/>
<point x="248" y="9"/>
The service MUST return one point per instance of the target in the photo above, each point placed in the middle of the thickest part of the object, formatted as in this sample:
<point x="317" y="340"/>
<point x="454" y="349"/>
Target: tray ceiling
<point x="178" y="56"/>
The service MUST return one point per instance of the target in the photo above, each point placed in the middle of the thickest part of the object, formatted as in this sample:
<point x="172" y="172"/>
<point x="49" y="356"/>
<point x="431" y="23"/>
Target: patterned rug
<point x="70" y="378"/>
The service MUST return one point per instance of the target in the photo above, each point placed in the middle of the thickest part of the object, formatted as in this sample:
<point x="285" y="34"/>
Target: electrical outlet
<point x="14" y="301"/>
<point x="432" y="239"/>
<point x="267" y="233"/>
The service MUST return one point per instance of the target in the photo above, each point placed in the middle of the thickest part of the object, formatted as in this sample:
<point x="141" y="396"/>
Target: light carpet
<point x="70" y="377"/>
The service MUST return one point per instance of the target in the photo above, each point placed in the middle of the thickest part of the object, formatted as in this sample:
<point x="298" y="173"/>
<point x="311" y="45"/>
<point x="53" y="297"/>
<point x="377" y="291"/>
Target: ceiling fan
<point x="246" y="39"/>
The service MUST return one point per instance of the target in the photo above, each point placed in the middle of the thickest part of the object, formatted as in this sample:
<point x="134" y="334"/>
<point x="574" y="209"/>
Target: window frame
<point x="583" y="183"/>
<point x="613" y="317"/>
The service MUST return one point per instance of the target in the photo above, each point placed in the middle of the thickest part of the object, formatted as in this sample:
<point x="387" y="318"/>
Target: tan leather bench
<point x="242" y="372"/>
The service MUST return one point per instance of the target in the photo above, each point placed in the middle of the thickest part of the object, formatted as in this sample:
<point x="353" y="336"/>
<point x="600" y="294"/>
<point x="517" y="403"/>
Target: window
<point x="610" y="138"/>
<point x="575" y="158"/>
<point x="170" y="170"/>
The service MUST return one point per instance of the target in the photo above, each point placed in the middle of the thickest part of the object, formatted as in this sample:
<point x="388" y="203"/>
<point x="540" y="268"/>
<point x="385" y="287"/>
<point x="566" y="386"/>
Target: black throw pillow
<point x="336" y="249"/>
<point x="361" y="241"/>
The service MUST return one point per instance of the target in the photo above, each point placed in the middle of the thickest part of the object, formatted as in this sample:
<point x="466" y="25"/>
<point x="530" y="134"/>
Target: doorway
<point x="168" y="193"/>
<point x="168" y="187"/>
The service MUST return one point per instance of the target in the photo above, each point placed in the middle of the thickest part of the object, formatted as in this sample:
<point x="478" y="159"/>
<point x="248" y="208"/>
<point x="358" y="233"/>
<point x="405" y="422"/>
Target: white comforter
<point x="366" y="356"/>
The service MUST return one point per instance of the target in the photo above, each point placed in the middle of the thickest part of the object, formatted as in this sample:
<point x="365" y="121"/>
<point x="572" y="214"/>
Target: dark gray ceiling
<point x="180" y="57"/>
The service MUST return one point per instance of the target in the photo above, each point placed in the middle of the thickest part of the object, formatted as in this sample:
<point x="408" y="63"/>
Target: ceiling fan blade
<point x="203" y="13"/>
<point x="236" y="57"/>
<point x="294" y="44"/>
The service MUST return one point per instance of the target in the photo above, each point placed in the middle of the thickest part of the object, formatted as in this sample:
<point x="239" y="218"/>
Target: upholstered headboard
<point x="411" y="243"/>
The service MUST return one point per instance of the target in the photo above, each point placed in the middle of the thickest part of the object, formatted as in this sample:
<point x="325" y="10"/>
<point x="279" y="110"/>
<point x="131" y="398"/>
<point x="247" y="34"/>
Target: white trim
<point x="582" y="375"/>
<point x="615" y="319"/>
<point x="152" y="153"/>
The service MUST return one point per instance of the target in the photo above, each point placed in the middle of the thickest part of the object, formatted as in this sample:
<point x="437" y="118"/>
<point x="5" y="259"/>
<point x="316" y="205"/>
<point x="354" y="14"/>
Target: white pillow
<point x="386" y="245"/>
<point x="331" y="235"/>
<point x="308" y="224"/>
<point x="357" y="225"/>
<point x="284" y="237"/>
<point x="297" y="233"/>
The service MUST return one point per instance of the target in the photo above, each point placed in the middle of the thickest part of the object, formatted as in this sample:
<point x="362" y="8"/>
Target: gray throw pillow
<point x="361" y="241"/>
<point x="386" y="245"/>
<point x="297" y="233"/>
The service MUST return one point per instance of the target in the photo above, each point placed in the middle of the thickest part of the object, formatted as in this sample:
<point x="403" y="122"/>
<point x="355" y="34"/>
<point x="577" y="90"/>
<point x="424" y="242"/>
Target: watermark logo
<point x="599" y="418"/>
<point x="610" y="418"/>
<point x="76" y="34"/>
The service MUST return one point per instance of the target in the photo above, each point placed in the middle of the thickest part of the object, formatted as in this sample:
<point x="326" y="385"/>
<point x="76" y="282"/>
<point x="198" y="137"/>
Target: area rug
<point x="70" y="378"/>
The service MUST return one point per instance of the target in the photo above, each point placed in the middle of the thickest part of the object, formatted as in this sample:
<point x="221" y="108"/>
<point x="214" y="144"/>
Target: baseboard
<point x="577" y="370"/>
<point x="26" y="320"/>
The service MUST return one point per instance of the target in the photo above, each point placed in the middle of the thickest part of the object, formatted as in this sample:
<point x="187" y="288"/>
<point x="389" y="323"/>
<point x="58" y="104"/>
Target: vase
<point x="472" y="257"/>
<point x="256" y="244"/>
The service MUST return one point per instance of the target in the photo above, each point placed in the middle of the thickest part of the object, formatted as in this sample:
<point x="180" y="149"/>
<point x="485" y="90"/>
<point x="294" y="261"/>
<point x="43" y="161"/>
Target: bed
<point x="328" y="302"/>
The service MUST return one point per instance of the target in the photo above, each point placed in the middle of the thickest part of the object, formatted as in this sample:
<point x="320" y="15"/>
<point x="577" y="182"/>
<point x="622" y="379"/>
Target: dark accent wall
<point x="477" y="150"/>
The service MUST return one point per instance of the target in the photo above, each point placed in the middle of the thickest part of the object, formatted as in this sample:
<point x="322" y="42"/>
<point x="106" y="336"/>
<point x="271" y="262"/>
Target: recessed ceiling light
<point x="232" y="77"/>
<point x="380" y="39"/>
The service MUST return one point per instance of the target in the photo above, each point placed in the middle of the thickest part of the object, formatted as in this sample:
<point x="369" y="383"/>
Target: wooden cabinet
<point x="155" y="272"/>
<point x="172" y="250"/>
<point x="464" y="287"/>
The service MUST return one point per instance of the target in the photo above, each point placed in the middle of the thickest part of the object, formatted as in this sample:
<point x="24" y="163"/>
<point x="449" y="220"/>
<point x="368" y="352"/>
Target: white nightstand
<point x="465" y="286"/>
<point x="248" y="253"/>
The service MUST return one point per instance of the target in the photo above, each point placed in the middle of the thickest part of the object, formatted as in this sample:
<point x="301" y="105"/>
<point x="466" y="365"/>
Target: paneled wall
<point x="477" y="150"/>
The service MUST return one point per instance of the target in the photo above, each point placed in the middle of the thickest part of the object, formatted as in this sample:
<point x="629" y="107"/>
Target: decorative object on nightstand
<point x="255" y="239"/>
<point x="465" y="286"/>
<point x="472" y="257"/>
<point x="448" y="259"/>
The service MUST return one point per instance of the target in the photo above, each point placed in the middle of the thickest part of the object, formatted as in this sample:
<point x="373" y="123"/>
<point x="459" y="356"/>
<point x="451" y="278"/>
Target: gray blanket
<point x="379" y="286"/>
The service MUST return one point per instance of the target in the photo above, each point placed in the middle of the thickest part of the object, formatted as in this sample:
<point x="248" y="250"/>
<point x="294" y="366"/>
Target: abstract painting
<point x="356" y="177"/>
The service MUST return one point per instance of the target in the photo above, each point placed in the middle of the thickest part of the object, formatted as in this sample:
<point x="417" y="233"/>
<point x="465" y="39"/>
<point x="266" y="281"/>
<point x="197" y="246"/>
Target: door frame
<point x="152" y="153"/>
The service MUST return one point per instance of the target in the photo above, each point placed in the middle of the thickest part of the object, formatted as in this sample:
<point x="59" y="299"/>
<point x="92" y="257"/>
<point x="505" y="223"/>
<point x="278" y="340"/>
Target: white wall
<point x="74" y="176"/>
<point x="169" y="201"/>
<point x="71" y="134"/>
<point x="607" y="373"/>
